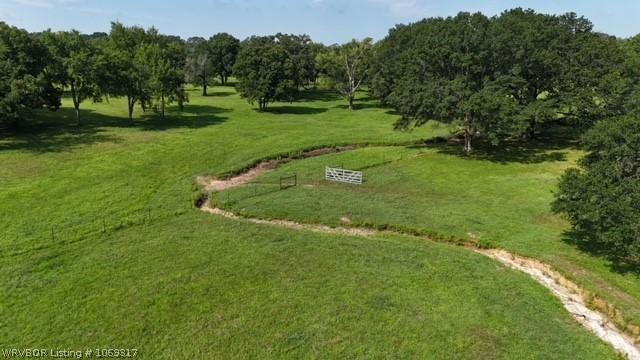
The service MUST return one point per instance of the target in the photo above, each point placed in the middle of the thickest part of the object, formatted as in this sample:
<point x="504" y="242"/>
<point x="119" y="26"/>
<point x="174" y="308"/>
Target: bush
<point x="602" y="198"/>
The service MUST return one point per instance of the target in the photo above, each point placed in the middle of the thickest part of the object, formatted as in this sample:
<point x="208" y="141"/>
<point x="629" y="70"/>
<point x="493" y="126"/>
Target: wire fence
<point x="265" y="186"/>
<point x="101" y="222"/>
<point x="66" y="230"/>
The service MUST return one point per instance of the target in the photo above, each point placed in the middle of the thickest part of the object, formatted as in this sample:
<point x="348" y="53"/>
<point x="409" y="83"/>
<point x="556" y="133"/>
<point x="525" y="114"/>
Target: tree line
<point x="506" y="77"/>
<point x="276" y="68"/>
<point x="147" y="68"/>
<point x="151" y="70"/>
<point x="503" y="77"/>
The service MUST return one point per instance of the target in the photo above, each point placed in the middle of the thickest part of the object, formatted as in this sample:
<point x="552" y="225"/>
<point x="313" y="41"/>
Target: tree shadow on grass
<point x="359" y="106"/>
<point x="192" y="117"/>
<point x="550" y="146"/>
<point x="527" y="153"/>
<point x="219" y="93"/>
<point x="585" y="241"/>
<point x="56" y="131"/>
<point x="294" y="110"/>
<point x="53" y="139"/>
<point x="316" y="95"/>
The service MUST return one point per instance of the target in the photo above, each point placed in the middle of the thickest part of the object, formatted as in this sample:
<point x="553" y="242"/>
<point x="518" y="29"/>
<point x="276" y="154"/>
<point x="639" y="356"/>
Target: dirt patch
<point x="209" y="183"/>
<point x="572" y="297"/>
<point x="327" y="150"/>
<point x="212" y="184"/>
<point x="570" y="294"/>
<point x="290" y="224"/>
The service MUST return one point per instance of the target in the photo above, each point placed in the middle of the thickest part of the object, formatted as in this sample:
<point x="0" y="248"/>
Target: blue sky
<point x="328" y="21"/>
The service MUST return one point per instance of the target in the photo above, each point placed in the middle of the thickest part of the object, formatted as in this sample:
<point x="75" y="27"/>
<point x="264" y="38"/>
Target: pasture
<point x="103" y="247"/>
<point x="433" y="190"/>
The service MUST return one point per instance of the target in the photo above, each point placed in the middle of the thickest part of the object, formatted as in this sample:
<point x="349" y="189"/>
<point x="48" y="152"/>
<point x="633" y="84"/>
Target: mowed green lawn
<point x="501" y="200"/>
<point x="178" y="283"/>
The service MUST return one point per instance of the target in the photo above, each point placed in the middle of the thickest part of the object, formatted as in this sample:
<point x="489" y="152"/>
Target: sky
<point x="327" y="21"/>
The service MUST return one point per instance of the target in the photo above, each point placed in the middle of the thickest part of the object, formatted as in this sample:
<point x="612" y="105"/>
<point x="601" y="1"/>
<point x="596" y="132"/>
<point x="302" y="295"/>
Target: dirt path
<point x="213" y="184"/>
<point x="568" y="292"/>
<point x="571" y="296"/>
<point x="290" y="224"/>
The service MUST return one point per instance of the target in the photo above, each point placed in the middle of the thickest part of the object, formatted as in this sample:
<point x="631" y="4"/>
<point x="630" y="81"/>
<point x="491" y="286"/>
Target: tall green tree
<point x="79" y="66"/>
<point x="263" y="68"/>
<point x="593" y="85"/>
<point x="162" y="63"/>
<point x="529" y="69"/>
<point x="447" y="73"/>
<point x="347" y="67"/>
<point x="317" y="50"/>
<point x="528" y="49"/>
<point x="632" y="75"/>
<point x="223" y="51"/>
<point x="601" y="199"/>
<point x="301" y="53"/>
<point x="25" y="76"/>
<point x="128" y="75"/>
<point x="199" y="67"/>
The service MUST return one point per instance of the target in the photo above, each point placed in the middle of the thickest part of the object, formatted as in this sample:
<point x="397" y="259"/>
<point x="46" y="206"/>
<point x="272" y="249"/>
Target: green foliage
<point x="162" y="63"/>
<point x="527" y="69"/>
<point x="301" y="53"/>
<point x="527" y="49"/>
<point x="346" y="67"/>
<point x="602" y="199"/>
<point x="78" y="65"/>
<point x="448" y="74"/>
<point x="198" y="65"/>
<point x="263" y="69"/>
<point x="145" y="67"/>
<point x="632" y="72"/>
<point x="25" y="82"/>
<point x="128" y="75"/>
<point x="223" y="49"/>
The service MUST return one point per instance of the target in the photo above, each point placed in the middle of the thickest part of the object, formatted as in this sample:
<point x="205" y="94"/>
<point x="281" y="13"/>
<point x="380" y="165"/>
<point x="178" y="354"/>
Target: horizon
<point x="326" y="21"/>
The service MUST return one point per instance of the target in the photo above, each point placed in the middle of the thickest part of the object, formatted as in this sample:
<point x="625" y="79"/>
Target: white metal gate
<point x="342" y="175"/>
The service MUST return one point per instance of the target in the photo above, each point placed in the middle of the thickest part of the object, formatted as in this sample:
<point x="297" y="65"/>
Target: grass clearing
<point x="184" y="284"/>
<point x="72" y="180"/>
<point x="432" y="190"/>
<point x="198" y="286"/>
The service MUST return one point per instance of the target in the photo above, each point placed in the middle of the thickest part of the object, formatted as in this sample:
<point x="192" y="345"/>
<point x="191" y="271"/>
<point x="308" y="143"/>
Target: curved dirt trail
<point x="565" y="290"/>
<point x="569" y="293"/>
<point x="213" y="184"/>
<point x="571" y="296"/>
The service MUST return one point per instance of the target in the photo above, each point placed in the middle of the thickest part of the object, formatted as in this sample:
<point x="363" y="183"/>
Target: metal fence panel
<point x="343" y="175"/>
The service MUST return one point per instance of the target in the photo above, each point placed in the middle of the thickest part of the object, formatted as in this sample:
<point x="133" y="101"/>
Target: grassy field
<point x="101" y="246"/>
<point x="502" y="201"/>
<point x="72" y="179"/>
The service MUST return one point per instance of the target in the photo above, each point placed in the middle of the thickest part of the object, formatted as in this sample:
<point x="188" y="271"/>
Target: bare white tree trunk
<point x="353" y="82"/>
